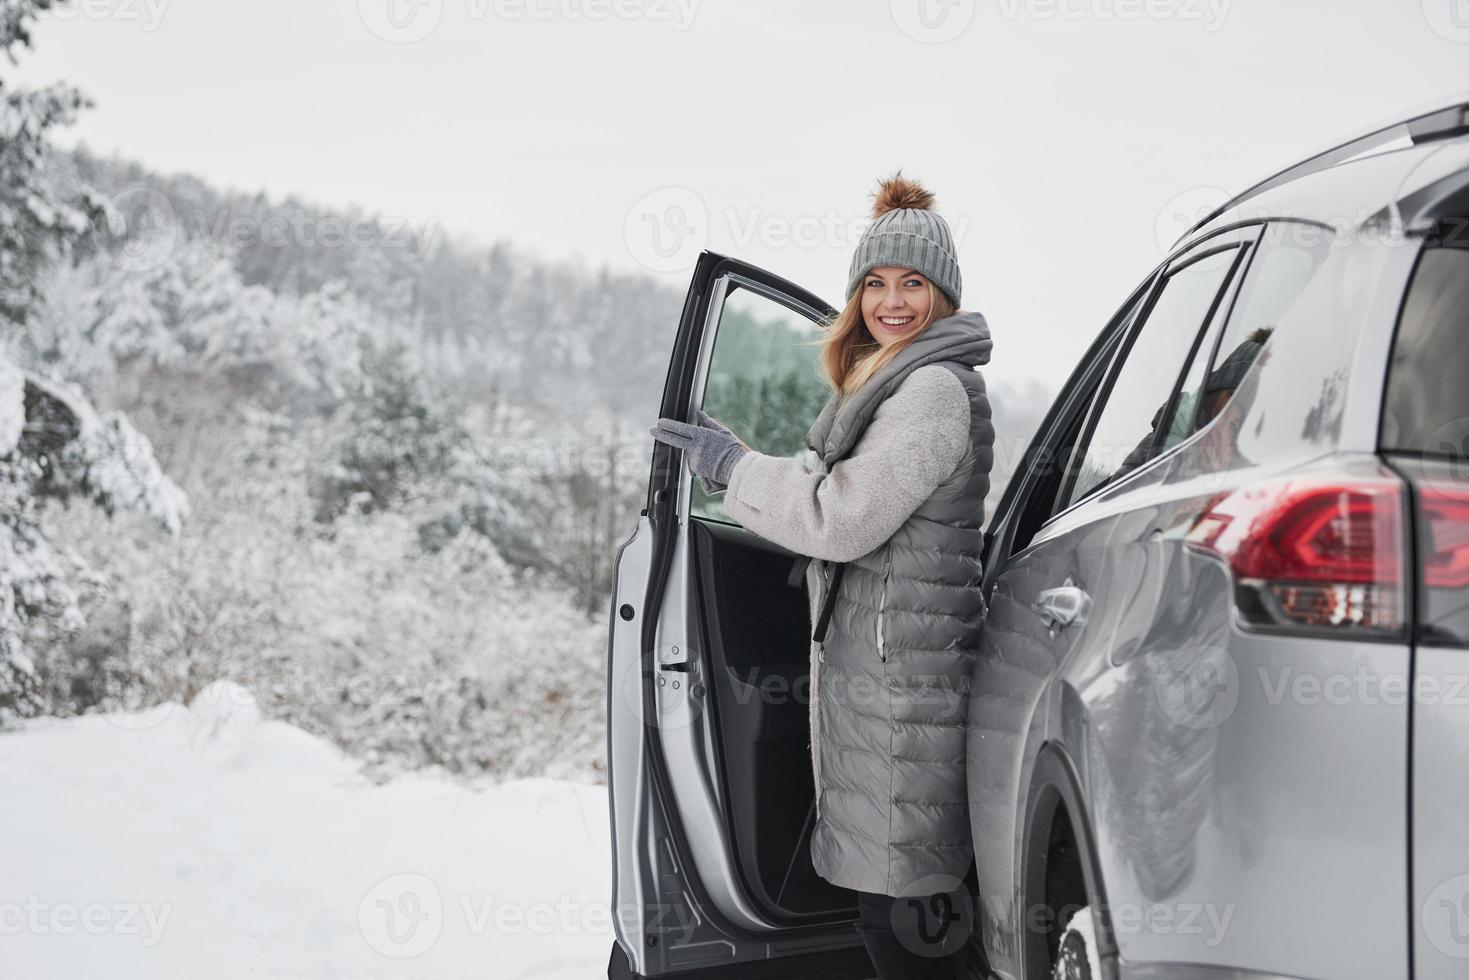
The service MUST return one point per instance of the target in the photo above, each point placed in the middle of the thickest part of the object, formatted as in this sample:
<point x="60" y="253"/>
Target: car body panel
<point x="1437" y="695"/>
<point x="1205" y="817"/>
<point x="1440" y="900"/>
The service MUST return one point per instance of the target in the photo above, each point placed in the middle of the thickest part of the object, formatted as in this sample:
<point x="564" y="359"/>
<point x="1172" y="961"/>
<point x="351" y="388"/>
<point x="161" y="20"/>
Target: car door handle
<point x="1061" y="607"/>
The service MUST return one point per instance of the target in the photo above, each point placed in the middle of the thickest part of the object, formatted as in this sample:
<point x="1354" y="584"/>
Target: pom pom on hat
<point x="900" y="192"/>
<point x="907" y="232"/>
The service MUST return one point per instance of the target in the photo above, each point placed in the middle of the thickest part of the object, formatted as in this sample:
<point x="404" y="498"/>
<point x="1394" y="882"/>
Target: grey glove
<point x="711" y="450"/>
<point x="711" y="487"/>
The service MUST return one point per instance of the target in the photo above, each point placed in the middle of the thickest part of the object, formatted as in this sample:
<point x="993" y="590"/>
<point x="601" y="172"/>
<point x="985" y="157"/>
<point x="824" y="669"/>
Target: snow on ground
<point x="202" y="841"/>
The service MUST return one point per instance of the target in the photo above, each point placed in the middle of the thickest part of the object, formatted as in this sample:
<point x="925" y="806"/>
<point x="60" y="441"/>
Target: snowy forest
<point x="371" y="472"/>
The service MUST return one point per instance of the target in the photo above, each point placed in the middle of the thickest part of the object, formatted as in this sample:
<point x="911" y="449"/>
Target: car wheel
<point x="1076" y="954"/>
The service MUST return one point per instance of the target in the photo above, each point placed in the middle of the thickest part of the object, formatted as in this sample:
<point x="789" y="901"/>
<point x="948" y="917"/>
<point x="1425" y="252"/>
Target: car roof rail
<point x="1442" y="119"/>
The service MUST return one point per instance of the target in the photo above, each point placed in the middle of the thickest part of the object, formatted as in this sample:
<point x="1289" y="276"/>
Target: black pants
<point x="915" y="938"/>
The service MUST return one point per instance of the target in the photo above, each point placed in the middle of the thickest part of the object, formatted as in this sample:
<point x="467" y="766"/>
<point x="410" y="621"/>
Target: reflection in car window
<point x="1185" y="406"/>
<point x="1125" y="435"/>
<point x="1276" y="277"/>
<point x="764" y="383"/>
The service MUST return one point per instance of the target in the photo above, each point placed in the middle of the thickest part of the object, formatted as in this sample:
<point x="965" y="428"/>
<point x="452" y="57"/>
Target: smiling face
<point x="895" y="302"/>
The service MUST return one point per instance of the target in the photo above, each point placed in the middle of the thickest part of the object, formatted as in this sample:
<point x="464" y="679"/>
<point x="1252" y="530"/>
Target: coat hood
<point x="963" y="337"/>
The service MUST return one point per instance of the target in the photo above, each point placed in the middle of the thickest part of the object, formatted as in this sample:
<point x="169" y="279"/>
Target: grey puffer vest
<point x="890" y="679"/>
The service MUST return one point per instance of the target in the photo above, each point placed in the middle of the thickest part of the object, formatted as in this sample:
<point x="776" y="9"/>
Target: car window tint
<point x="1125" y="434"/>
<point x="1427" y="401"/>
<point x="764" y="381"/>
<point x="1278" y="274"/>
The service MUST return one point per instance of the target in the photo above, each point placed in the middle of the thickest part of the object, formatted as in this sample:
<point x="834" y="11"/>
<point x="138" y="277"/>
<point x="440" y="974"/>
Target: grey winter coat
<point x="898" y="493"/>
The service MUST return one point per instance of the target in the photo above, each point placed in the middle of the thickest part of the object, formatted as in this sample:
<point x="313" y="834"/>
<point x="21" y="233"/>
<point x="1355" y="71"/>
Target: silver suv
<point x="1220" y="721"/>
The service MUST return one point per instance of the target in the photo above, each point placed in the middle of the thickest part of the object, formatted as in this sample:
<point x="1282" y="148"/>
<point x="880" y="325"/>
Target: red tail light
<point x="1445" y="537"/>
<point x="1320" y="555"/>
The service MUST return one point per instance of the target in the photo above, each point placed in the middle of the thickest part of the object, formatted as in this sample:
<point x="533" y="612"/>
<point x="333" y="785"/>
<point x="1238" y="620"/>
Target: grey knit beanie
<point x="907" y="233"/>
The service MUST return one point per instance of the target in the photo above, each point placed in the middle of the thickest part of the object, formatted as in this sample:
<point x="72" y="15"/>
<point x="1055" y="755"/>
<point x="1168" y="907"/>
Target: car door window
<point x="1184" y="413"/>
<point x="1277" y="275"/>
<point x="764" y="381"/>
<point x="1127" y="428"/>
<point x="1038" y="482"/>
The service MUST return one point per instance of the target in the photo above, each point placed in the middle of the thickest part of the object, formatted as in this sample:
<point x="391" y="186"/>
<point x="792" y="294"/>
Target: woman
<point x="896" y="505"/>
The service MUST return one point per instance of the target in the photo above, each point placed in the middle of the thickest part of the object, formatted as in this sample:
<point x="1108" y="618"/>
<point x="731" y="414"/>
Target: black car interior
<point x="756" y="630"/>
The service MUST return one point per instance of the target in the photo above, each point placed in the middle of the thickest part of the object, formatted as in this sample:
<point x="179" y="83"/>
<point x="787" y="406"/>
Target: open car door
<point x="709" y="764"/>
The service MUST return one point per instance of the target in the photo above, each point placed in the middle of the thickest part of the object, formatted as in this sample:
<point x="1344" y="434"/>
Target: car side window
<point x="1129" y="422"/>
<point x="1282" y="267"/>
<point x="1042" y="471"/>
<point x="1427" y="399"/>
<point x="1184" y="412"/>
<point x="764" y="381"/>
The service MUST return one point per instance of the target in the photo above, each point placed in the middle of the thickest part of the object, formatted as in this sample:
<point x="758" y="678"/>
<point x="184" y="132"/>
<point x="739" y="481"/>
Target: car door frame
<point x="701" y="854"/>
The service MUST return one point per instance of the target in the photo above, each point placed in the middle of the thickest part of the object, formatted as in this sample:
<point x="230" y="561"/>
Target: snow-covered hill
<point x="204" y="841"/>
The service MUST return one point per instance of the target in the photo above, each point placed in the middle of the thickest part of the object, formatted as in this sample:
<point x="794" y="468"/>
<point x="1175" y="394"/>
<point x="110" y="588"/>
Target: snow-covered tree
<point x="56" y="450"/>
<point x="38" y="219"/>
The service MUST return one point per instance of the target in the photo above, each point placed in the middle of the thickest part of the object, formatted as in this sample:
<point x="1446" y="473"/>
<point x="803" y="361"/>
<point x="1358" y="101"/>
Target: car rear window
<point x="1427" y="405"/>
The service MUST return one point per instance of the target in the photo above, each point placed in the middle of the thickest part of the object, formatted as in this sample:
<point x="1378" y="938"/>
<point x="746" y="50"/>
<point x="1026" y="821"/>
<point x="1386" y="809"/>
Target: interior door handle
<point x="1063" y="606"/>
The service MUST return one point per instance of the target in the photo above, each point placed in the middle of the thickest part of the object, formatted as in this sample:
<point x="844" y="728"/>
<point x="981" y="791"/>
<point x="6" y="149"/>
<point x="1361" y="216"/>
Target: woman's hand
<point x="712" y="487"/>
<point x="711" y="450"/>
<point x="710" y="422"/>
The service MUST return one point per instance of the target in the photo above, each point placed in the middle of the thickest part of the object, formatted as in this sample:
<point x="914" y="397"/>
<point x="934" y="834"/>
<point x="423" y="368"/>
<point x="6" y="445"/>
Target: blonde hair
<point x="850" y="355"/>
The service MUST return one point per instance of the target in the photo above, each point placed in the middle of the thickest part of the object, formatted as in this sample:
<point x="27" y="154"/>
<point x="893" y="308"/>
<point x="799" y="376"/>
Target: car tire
<point x="1076" y="953"/>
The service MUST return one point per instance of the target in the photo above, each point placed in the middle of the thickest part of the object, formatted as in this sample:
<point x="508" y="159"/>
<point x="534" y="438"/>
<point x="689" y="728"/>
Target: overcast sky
<point x="1065" y="139"/>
